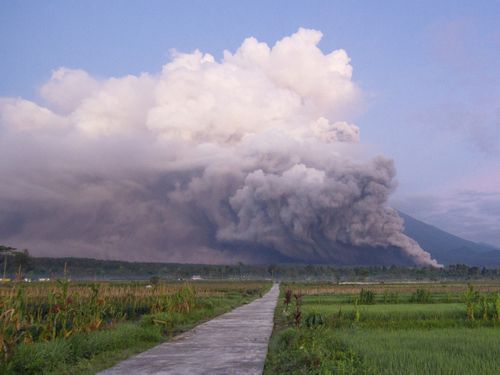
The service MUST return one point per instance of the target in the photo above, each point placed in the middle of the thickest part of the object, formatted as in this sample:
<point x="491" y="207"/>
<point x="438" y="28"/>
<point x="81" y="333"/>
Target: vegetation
<point x="422" y="351"/>
<point x="307" y="351"/>
<point x="437" y="328"/>
<point x="20" y="263"/>
<point x="57" y="326"/>
<point x="357" y="320"/>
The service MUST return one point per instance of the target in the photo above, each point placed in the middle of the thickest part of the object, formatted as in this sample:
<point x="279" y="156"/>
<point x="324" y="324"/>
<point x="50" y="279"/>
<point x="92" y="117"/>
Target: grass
<point x="79" y="352"/>
<point x="392" y="316"/>
<point x="438" y="309"/>
<point x="401" y="288"/>
<point x="295" y="351"/>
<point x="434" y="352"/>
<point x="89" y="352"/>
<point x="337" y="336"/>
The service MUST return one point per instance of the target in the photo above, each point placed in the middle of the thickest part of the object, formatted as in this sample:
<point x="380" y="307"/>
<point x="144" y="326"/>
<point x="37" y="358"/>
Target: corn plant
<point x="366" y="297"/>
<point x="297" y="316"/>
<point x="314" y="320"/>
<point x="471" y="297"/>
<point x="183" y="301"/>
<point x="60" y="309"/>
<point x="288" y="298"/>
<point x="484" y="308"/>
<point x="357" y="314"/>
<point x="497" y="306"/>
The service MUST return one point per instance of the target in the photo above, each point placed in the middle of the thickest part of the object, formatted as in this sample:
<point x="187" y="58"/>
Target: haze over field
<point x="199" y="161"/>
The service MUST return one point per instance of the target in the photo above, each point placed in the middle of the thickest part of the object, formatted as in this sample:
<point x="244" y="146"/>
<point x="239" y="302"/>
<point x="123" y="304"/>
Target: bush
<point x="40" y="358"/>
<point x="304" y="351"/>
<point x="314" y="320"/>
<point x="45" y="357"/>
<point x="421" y="296"/>
<point x="205" y="304"/>
<point x="366" y="297"/>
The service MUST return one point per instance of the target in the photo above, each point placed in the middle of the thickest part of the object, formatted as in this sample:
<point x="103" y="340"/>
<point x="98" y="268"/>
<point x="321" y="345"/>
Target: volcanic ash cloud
<point x="255" y="151"/>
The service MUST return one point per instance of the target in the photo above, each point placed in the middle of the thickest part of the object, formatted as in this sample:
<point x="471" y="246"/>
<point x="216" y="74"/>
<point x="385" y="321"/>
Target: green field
<point x="436" y="351"/>
<point x="335" y="333"/>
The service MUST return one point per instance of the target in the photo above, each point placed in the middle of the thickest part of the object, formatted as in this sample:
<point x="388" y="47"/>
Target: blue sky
<point x="429" y="70"/>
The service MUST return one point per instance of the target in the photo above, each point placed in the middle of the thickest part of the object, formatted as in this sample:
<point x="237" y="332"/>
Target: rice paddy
<point x="387" y="329"/>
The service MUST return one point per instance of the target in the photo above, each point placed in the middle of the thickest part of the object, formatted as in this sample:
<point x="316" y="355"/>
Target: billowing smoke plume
<point x="248" y="158"/>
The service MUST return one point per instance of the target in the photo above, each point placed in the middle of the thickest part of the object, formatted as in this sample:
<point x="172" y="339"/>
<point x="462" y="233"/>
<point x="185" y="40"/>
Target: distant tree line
<point x="14" y="261"/>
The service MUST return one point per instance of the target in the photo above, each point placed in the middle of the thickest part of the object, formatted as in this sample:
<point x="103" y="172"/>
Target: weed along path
<point x="233" y="343"/>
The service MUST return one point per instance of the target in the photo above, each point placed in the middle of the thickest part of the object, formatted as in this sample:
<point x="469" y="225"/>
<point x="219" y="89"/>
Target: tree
<point x="22" y="259"/>
<point x="7" y="249"/>
<point x="240" y="267"/>
<point x="271" y="269"/>
<point x="154" y="280"/>
<point x="15" y="260"/>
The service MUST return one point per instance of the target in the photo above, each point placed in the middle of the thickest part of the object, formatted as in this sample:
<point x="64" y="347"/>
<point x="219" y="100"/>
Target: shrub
<point x="40" y="358"/>
<point x="421" y="296"/>
<point x="307" y="351"/>
<point x="471" y="297"/>
<point x="366" y="297"/>
<point x="288" y="298"/>
<point x="297" y="316"/>
<point x="497" y="306"/>
<point x="46" y="357"/>
<point x="314" y="320"/>
<point x="357" y="314"/>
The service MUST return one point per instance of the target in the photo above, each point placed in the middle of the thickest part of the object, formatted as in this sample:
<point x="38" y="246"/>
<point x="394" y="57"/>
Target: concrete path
<point x="233" y="343"/>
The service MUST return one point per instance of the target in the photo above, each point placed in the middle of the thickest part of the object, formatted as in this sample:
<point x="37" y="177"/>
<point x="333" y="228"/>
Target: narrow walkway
<point x="233" y="343"/>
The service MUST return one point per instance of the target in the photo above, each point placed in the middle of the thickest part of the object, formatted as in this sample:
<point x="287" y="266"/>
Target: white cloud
<point x="24" y="115"/>
<point x="201" y="154"/>
<point x="67" y="88"/>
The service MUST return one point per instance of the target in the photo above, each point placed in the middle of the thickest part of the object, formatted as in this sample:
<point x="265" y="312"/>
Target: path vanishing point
<point x="233" y="343"/>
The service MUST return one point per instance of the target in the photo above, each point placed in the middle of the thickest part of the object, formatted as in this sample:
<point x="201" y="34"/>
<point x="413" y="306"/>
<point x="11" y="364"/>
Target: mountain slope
<point x="447" y="248"/>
